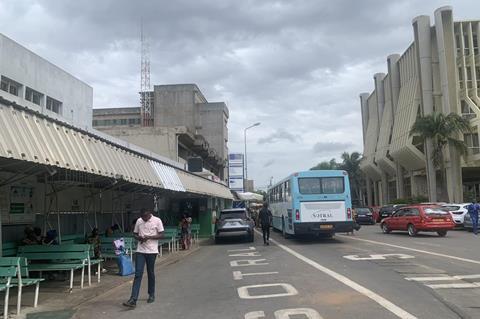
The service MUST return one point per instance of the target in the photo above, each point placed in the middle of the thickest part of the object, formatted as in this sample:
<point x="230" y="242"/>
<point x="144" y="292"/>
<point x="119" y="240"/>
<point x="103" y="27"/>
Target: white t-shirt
<point x="152" y="227"/>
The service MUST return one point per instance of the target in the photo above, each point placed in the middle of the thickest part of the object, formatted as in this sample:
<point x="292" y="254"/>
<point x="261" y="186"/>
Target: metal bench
<point x="68" y="257"/>
<point x="21" y="278"/>
<point x="6" y="274"/>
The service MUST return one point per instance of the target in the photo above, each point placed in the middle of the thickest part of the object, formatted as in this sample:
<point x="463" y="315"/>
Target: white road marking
<point x="243" y="249"/>
<point x="443" y="278"/>
<point x="247" y="262"/>
<point x="238" y="275"/>
<point x="307" y="312"/>
<point x="467" y="276"/>
<point x="453" y="286"/>
<point x="396" y="310"/>
<point x="255" y="315"/>
<point x="251" y="254"/>
<point x="243" y="292"/>
<point x="416" y="250"/>
<point x="378" y="257"/>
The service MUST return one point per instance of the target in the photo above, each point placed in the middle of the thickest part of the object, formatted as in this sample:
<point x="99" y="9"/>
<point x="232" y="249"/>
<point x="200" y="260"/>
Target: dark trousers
<point x="266" y="233"/>
<point x="474" y="218"/>
<point x="140" y="261"/>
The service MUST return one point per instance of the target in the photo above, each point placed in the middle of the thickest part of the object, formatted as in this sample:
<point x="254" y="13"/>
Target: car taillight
<point x="297" y="215"/>
<point x="349" y="213"/>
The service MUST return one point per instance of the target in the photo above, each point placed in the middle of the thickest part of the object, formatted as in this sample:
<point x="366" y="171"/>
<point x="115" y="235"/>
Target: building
<point x="57" y="172"/>
<point x="29" y="80"/>
<point x="184" y="125"/>
<point x="438" y="72"/>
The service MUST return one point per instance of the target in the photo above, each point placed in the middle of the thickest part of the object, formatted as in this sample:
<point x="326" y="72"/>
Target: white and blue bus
<point x="312" y="202"/>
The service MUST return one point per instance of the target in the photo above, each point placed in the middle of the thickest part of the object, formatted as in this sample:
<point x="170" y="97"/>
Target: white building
<point x="29" y="80"/>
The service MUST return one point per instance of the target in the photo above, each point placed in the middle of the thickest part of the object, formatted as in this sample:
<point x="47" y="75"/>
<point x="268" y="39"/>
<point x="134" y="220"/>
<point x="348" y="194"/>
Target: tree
<point x="442" y="130"/>
<point x="351" y="164"/>
<point x="332" y="164"/>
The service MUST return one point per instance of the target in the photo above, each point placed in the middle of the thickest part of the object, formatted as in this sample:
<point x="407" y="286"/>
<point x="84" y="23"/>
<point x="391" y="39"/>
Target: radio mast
<point x="146" y="96"/>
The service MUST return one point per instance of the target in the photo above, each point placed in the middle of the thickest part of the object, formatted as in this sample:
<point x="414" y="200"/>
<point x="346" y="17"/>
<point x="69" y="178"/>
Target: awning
<point x="30" y="136"/>
<point x="254" y="197"/>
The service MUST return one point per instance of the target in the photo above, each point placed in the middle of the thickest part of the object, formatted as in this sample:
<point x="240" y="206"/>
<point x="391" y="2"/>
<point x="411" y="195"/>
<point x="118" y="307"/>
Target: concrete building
<point x="438" y="72"/>
<point x="185" y="125"/>
<point x="29" y="80"/>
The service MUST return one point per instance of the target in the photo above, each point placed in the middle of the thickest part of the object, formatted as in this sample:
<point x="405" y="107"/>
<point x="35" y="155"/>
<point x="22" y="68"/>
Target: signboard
<point x="20" y="208"/>
<point x="322" y="211"/>
<point x="235" y="171"/>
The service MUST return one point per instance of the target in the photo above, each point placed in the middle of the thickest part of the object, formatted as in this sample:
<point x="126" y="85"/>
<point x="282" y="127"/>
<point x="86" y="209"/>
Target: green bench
<point x="6" y="275"/>
<point x="195" y="232"/>
<point x="9" y="249"/>
<point x="21" y="278"/>
<point x="68" y="257"/>
<point x="107" y="250"/>
<point x="73" y="239"/>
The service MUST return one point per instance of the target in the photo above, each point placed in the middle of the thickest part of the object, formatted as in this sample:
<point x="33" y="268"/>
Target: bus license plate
<point x="326" y="226"/>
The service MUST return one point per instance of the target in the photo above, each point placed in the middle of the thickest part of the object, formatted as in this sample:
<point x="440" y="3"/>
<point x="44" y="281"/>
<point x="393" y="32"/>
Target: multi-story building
<point x="183" y="124"/>
<point x="29" y="80"/>
<point x="438" y="72"/>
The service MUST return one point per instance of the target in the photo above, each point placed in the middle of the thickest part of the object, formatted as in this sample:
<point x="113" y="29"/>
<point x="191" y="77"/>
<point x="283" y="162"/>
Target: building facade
<point x="438" y="73"/>
<point x="184" y="125"/>
<point x="30" y="80"/>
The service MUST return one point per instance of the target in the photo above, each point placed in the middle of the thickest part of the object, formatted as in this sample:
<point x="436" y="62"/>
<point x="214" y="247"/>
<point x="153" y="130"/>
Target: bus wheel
<point x="284" y="232"/>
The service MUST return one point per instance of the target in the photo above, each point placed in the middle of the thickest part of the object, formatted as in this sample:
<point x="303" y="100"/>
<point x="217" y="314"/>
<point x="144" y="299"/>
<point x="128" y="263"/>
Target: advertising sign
<point x="235" y="171"/>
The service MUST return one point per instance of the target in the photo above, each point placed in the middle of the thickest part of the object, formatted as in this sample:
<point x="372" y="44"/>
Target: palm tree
<point x="441" y="130"/>
<point x="351" y="164"/>
<point x="332" y="164"/>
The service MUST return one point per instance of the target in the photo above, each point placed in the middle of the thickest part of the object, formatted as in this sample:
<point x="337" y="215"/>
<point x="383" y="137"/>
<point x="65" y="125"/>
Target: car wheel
<point x="412" y="232"/>
<point x="442" y="233"/>
<point x="385" y="228"/>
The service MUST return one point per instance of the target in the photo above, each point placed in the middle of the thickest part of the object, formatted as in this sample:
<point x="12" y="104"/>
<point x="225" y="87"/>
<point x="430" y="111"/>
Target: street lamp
<point x="245" y="140"/>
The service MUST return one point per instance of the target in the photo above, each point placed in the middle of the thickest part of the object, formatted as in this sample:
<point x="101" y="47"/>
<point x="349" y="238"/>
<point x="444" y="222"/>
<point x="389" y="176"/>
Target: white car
<point x="458" y="212"/>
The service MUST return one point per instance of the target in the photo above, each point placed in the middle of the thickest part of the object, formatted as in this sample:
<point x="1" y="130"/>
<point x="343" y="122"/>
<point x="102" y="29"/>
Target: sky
<point x="296" y="66"/>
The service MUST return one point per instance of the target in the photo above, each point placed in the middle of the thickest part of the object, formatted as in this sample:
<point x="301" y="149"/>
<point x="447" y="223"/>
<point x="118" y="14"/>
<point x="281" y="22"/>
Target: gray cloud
<point x="297" y="66"/>
<point x="279" y="135"/>
<point x="330" y="147"/>
<point x="269" y="163"/>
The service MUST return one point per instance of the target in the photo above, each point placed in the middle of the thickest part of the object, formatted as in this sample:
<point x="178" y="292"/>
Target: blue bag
<point x="125" y="265"/>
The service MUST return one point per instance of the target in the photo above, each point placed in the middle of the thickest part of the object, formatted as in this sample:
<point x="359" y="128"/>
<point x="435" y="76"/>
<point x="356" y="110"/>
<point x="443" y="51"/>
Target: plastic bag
<point x="119" y="245"/>
<point x="125" y="265"/>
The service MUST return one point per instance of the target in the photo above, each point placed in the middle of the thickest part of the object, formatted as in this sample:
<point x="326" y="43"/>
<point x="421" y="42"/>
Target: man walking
<point x="265" y="217"/>
<point x="148" y="230"/>
<point x="473" y="210"/>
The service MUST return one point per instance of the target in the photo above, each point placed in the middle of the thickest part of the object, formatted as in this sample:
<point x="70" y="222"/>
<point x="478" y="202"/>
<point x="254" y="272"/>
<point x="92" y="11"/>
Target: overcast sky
<point x="295" y="66"/>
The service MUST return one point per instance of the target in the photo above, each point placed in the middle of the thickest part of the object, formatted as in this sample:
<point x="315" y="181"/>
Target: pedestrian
<point x="265" y="217"/>
<point x="148" y="230"/>
<point x="473" y="210"/>
<point x="186" y="227"/>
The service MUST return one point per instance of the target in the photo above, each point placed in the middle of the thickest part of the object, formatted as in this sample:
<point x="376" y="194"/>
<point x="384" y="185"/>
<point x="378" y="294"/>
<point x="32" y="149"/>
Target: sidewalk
<point x="56" y="303"/>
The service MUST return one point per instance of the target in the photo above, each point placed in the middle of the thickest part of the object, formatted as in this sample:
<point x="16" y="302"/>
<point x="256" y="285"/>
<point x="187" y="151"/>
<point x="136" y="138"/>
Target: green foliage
<point x="442" y="130"/>
<point x="332" y="164"/>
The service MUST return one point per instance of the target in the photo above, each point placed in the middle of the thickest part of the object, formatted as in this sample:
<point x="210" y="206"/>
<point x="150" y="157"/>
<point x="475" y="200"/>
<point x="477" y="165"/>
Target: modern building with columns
<point x="438" y="72"/>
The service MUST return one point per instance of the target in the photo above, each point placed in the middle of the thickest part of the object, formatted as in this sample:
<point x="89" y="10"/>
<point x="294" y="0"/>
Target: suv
<point x="234" y="222"/>
<point x="387" y="211"/>
<point x="364" y="215"/>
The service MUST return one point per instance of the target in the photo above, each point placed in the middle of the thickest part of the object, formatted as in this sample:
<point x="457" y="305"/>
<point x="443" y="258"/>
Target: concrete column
<point x="384" y="182"/>
<point x="413" y="184"/>
<point x="423" y="44"/>
<point x="448" y="73"/>
<point x="399" y="181"/>
<point x="364" y="108"/>
<point x="394" y="72"/>
<point x="379" y="89"/>
<point x="376" y="193"/>
<point x="369" y="191"/>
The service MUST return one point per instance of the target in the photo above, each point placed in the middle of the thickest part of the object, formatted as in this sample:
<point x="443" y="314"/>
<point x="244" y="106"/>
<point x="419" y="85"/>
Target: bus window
<point x="321" y="185"/>
<point x="332" y="185"/>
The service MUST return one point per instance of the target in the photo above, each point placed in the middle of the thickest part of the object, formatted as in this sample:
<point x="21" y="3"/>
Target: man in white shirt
<point x="148" y="230"/>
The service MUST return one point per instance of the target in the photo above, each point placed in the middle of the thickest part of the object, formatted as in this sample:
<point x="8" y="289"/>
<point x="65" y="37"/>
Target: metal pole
<point x="245" y="157"/>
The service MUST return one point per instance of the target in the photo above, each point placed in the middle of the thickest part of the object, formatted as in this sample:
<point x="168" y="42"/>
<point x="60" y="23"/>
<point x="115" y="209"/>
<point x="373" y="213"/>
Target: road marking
<point x="443" y="278"/>
<point x="453" y="286"/>
<point x="243" y="292"/>
<point x="396" y="310"/>
<point x="247" y="262"/>
<point x="251" y="254"/>
<point x="238" y="275"/>
<point x="243" y="249"/>
<point x="255" y="315"/>
<point x="416" y="250"/>
<point x="286" y="313"/>
<point x="467" y="276"/>
<point x="378" y="257"/>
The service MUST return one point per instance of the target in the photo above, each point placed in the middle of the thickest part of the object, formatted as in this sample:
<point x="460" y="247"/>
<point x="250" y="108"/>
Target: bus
<point x="316" y="202"/>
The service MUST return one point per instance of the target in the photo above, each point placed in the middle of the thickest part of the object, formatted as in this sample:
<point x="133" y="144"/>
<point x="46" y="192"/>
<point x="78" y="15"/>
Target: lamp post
<point x="245" y="140"/>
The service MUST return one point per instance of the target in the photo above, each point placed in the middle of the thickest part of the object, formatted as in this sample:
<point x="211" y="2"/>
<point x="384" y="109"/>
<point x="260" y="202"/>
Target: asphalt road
<point x="368" y="275"/>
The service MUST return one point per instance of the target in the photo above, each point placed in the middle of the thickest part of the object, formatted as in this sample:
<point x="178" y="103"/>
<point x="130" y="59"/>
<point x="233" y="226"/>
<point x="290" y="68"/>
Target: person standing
<point x="473" y="210"/>
<point x="148" y="230"/>
<point x="265" y="217"/>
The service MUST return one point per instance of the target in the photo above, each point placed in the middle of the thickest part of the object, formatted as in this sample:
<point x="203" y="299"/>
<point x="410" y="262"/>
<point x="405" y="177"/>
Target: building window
<point x="467" y="111"/>
<point x="10" y="86"/>
<point x="460" y="77"/>
<point x="107" y="122"/>
<point x="33" y="96"/>
<point x="457" y="41"/>
<point x="123" y="122"/>
<point x="466" y="44"/>
<point x="95" y="123"/>
<point x="475" y="44"/>
<point x="471" y="139"/>
<point x="54" y="105"/>
<point x="469" y="77"/>
<point x="477" y="76"/>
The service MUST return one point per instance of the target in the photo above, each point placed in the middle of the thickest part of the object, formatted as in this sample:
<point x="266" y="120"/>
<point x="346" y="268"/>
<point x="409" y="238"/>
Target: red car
<point x="416" y="218"/>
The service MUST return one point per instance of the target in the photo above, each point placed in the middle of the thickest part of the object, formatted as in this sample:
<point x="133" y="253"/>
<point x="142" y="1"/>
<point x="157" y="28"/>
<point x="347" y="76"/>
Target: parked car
<point x="418" y="218"/>
<point x="458" y="212"/>
<point x="364" y="215"/>
<point x="234" y="222"/>
<point x="388" y="210"/>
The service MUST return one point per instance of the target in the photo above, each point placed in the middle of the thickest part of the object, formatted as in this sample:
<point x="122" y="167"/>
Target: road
<point x="368" y="275"/>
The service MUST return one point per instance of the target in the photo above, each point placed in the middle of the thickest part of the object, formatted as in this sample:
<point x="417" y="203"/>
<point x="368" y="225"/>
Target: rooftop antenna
<point x="146" y="105"/>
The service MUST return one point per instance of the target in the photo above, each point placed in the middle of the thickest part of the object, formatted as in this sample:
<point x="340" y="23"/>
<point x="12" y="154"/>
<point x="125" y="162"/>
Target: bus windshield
<point x="321" y="185"/>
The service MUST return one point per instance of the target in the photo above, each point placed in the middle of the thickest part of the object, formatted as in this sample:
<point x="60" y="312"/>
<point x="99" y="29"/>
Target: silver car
<point x="234" y="222"/>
